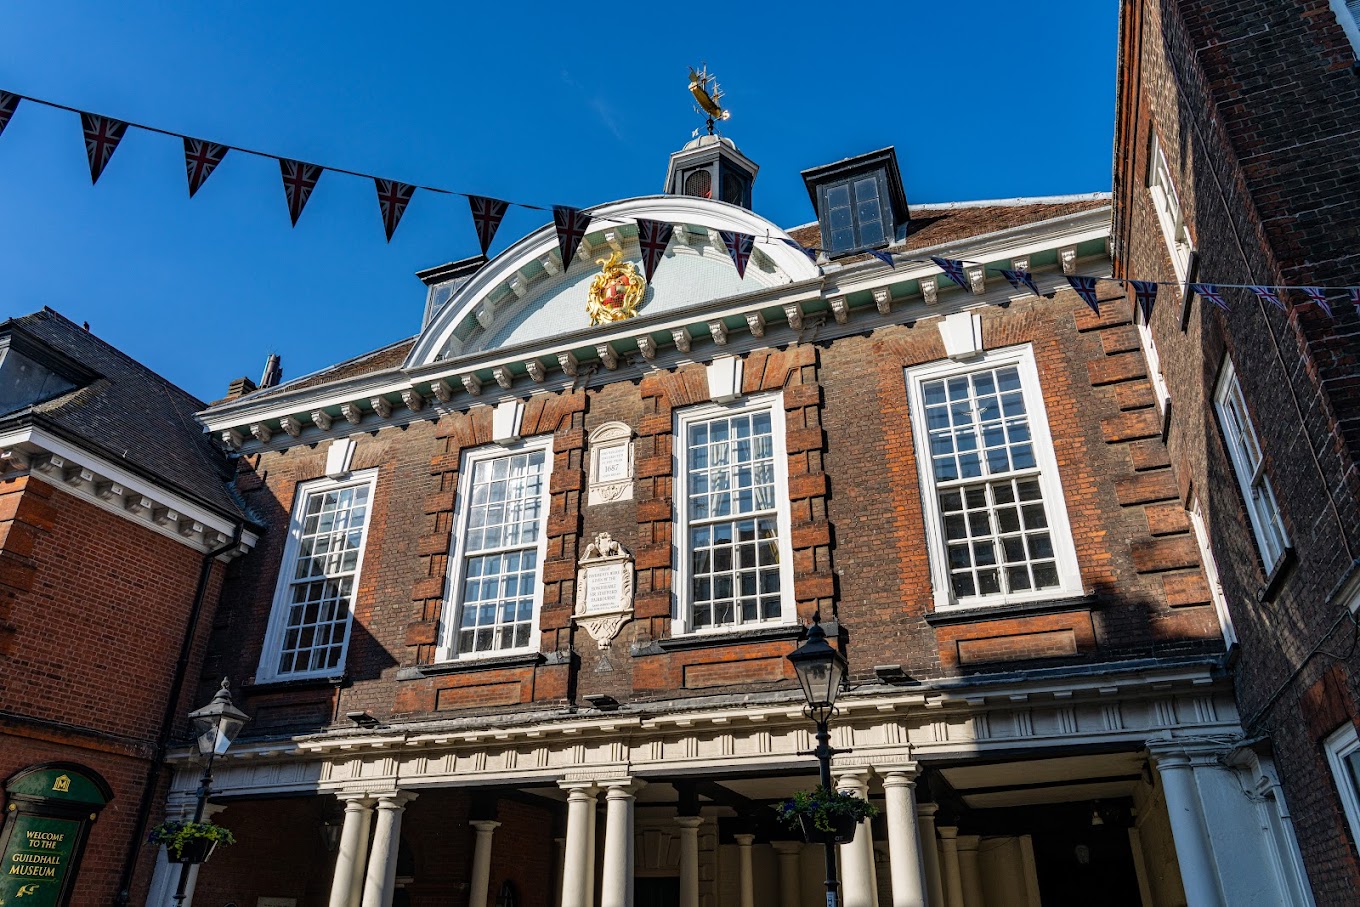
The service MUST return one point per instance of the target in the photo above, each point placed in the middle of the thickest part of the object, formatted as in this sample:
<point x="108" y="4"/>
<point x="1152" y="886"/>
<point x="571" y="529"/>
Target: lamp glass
<point x="820" y="669"/>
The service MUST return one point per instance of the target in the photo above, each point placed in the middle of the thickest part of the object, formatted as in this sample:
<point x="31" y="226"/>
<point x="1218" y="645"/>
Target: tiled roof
<point x="130" y="415"/>
<point x="378" y="360"/>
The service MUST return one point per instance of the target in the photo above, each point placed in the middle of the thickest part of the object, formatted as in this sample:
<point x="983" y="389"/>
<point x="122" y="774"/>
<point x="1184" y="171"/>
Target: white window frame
<point x="1339" y="744"/>
<point x="1272" y="541"/>
<point x="681" y="604"/>
<point x="453" y="600"/>
<point x="1154" y="361"/>
<point x="278" y="614"/>
<point x="1055" y="503"/>
<point x="1206" y="554"/>
<point x="1348" y="17"/>
<point x="1167" y="203"/>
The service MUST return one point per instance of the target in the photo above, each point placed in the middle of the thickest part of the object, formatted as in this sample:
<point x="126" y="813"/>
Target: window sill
<point x="467" y="665"/>
<point x="1275" y="579"/>
<point x="719" y="640"/>
<point x="291" y="686"/>
<point x="980" y="613"/>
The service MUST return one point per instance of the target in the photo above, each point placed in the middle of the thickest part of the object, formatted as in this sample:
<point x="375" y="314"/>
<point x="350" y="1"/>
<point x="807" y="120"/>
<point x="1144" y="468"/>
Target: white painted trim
<point x="1249" y="474"/>
<point x="1338" y="745"/>
<point x="447" y="649"/>
<point x="1167" y="203"/>
<point x="1348" y="17"/>
<point x="1206" y="553"/>
<point x="1055" y="503"/>
<point x="680" y="584"/>
<point x="267" y="670"/>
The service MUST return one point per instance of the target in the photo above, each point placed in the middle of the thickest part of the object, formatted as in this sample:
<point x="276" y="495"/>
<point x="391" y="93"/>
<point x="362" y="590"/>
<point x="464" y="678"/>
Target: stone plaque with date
<point x="604" y="589"/>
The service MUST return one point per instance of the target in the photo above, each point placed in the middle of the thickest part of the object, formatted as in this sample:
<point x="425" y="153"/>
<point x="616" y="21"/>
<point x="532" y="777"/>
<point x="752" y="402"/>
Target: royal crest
<point x="616" y="291"/>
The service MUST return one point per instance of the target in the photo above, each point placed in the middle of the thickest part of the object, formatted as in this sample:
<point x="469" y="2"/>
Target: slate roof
<point x="369" y="363"/>
<point x="129" y="415"/>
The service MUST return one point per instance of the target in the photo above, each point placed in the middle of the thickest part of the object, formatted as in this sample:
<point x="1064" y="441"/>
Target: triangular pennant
<point x="884" y="257"/>
<point x="1018" y="279"/>
<point x="8" y="104"/>
<point x="486" y="217"/>
<point x="1355" y="297"/>
<point x="1270" y="295"/>
<point x="1145" y="294"/>
<point x="1318" y="295"/>
<point x="299" y="180"/>
<point x="953" y="270"/>
<point x="793" y="243"/>
<point x="572" y="224"/>
<point x="102" y="135"/>
<point x="200" y="160"/>
<point x="1210" y="294"/>
<point x="393" y="197"/>
<point x="1086" y="289"/>
<point x="739" y="247"/>
<point x="653" y="236"/>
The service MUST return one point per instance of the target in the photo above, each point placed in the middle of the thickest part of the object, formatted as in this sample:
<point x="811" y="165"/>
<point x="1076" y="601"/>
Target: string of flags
<point x="103" y="134"/>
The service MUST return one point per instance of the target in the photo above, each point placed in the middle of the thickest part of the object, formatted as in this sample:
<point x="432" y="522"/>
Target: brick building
<point x="516" y="632"/>
<point x="115" y="527"/>
<point x="1236" y="163"/>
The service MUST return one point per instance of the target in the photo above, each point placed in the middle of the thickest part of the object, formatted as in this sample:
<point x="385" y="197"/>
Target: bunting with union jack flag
<point x="487" y="214"/>
<point x="1018" y="279"/>
<point x="393" y="197"/>
<point x="8" y="104"/>
<point x="953" y="269"/>
<point x="795" y="244"/>
<point x="739" y="246"/>
<point x="653" y="236"/>
<point x="1355" y="297"/>
<point x="1270" y="295"/>
<point x="1318" y="295"/>
<point x="1210" y="294"/>
<point x="1145" y="295"/>
<point x="299" y="180"/>
<point x="572" y="224"/>
<point x="102" y="135"/>
<point x="200" y="160"/>
<point x="884" y="257"/>
<point x="1086" y="289"/>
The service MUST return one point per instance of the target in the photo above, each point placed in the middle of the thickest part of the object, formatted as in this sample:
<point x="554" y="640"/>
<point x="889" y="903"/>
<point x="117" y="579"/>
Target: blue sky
<point x="541" y="103"/>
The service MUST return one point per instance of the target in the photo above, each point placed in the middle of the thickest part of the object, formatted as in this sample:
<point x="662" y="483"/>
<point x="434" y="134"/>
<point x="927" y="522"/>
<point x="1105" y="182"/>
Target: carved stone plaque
<point x="604" y="589"/>
<point x="611" y="464"/>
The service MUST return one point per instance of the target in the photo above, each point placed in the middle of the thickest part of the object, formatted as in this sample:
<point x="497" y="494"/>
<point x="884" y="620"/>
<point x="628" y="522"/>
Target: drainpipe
<point x="153" y="774"/>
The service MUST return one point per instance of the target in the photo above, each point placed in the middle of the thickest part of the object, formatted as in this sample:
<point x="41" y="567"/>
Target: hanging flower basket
<point x="190" y="842"/>
<point x="825" y="816"/>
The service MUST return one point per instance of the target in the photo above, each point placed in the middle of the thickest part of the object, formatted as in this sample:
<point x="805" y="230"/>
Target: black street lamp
<point x="821" y="670"/>
<point x="215" y="727"/>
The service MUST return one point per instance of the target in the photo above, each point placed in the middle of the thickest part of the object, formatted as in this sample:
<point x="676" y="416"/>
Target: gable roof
<point x="128" y="414"/>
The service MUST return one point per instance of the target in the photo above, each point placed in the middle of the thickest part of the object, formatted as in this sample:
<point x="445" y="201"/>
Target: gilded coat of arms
<point x="615" y="292"/>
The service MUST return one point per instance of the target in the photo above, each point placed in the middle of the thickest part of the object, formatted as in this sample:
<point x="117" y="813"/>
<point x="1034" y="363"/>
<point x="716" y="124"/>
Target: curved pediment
<point x="524" y="294"/>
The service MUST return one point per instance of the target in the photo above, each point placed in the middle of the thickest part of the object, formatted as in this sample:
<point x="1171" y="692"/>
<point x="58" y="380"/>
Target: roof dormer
<point x="860" y="202"/>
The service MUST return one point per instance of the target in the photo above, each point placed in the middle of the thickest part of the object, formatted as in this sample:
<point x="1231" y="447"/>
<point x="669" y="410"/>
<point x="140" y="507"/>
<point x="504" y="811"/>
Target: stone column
<point x="790" y="870"/>
<point x="857" y="857"/>
<point x="689" y="859"/>
<point x="380" y="882"/>
<point x="930" y="853"/>
<point x="559" y="865"/>
<point x="480" y="885"/>
<point x="616" y="889"/>
<point x="347" y="884"/>
<point x="748" y="889"/>
<point x="949" y="857"/>
<point x="592" y="850"/>
<point x="1199" y="875"/>
<point x="580" y="807"/>
<point x="904" y="841"/>
<point x="968" y="869"/>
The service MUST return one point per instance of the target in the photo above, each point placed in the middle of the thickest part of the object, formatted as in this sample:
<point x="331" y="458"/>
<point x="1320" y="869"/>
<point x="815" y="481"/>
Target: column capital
<point x="787" y="848"/>
<point x="485" y="826"/>
<point x="948" y="832"/>
<point x="689" y="822"/>
<point x="619" y="788"/>
<point x="395" y="799"/>
<point x="579" y="790"/>
<point x="927" y="810"/>
<point x="1179" y="752"/>
<point x="900" y="775"/>
<point x="355" y="799"/>
<point x="855" y="780"/>
<point x="744" y="840"/>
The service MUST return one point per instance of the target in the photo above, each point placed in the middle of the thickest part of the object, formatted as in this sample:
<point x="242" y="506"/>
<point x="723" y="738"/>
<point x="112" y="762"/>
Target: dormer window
<point x="860" y="202"/>
<point x="32" y="372"/>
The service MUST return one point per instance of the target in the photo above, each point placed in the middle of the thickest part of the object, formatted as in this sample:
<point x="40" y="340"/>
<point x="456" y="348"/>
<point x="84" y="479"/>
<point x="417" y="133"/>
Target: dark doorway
<point x="664" y="892"/>
<point x="1081" y="865"/>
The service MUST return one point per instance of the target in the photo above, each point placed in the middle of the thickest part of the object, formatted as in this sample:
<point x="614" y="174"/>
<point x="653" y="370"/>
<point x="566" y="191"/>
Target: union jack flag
<point x="1086" y="289"/>
<point x="102" y="135"/>
<point x="1318" y="295"/>
<point x="739" y="247"/>
<point x="953" y="269"/>
<point x="200" y="160"/>
<point x="8" y="103"/>
<point x="1018" y="279"/>
<point x="1210" y="294"/>
<point x="1145" y="294"/>
<point x="884" y="257"/>
<point x="486" y="217"/>
<point x="654" y="236"/>
<point x="1355" y="297"/>
<point x="795" y="244"/>
<point x="299" y="180"/>
<point x="1270" y="295"/>
<point x="572" y="225"/>
<point x="393" y="197"/>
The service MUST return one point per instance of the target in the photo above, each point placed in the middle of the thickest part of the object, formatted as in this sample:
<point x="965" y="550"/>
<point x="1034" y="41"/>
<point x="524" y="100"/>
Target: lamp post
<point x="821" y="669"/>
<point x="215" y="727"/>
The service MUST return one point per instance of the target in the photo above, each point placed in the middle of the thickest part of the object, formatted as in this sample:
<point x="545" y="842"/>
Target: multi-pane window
<point x="1343" y="755"/>
<point x="1245" y="452"/>
<point x="734" y="571"/>
<point x="998" y="524"/>
<point x="309" y="630"/>
<point x="499" y="550"/>
<point x="1168" y="206"/>
<point x="854" y="214"/>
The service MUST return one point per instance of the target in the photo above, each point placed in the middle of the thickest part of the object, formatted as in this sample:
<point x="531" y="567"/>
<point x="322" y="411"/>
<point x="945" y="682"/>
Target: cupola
<point x="710" y="166"/>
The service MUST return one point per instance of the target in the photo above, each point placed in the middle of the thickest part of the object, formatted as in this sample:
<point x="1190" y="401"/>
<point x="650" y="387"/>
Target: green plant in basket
<point x="824" y="809"/>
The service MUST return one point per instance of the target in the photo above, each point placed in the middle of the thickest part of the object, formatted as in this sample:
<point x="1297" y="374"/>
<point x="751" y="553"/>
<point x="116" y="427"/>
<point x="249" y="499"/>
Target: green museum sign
<point x="48" y="812"/>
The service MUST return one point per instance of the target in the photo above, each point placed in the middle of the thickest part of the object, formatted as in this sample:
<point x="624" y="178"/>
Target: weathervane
<point x="706" y="97"/>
